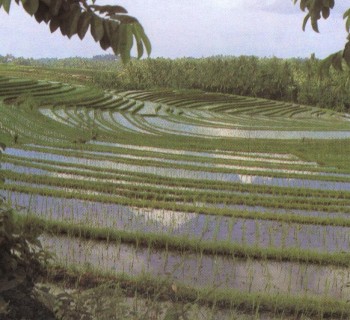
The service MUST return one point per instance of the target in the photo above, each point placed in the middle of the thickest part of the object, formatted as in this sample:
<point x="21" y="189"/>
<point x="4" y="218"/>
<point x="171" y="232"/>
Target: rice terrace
<point x="210" y="181"/>
<point x="241" y="203"/>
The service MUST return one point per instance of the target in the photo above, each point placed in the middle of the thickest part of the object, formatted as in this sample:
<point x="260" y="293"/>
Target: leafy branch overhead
<point x="109" y="25"/>
<point x="316" y="10"/>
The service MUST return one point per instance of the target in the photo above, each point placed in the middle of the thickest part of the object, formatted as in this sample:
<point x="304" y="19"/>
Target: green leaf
<point x="108" y="28"/>
<point x="125" y="42"/>
<point x="54" y="24"/>
<point x="31" y="6"/>
<point x="138" y="41"/>
<point x="346" y="14"/>
<point x="69" y="21"/>
<point x="303" y="4"/>
<point x="314" y="25"/>
<point x="325" y="12"/>
<point x="105" y="43"/>
<point x="64" y="18"/>
<point x="325" y="66"/>
<point x="55" y="7"/>
<point x="42" y="12"/>
<point x="6" y="4"/>
<point x="337" y="61"/>
<point x="97" y="30"/>
<point x="346" y="53"/>
<point x="115" y="38"/>
<point x="139" y="49"/>
<point x="123" y="18"/>
<point x="144" y="38"/>
<point x="73" y="21"/>
<point x="83" y="24"/>
<point x="347" y="25"/>
<point x="47" y="2"/>
<point x="109" y="9"/>
<point x="307" y="17"/>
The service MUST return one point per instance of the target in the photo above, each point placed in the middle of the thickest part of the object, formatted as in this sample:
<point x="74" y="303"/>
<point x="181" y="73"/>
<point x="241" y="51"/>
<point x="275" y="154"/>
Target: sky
<point x="190" y="28"/>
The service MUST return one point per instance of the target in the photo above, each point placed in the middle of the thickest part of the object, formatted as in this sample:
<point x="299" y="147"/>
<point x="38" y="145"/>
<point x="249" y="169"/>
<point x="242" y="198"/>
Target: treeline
<point x="99" y="62"/>
<point x="292" y="80"/>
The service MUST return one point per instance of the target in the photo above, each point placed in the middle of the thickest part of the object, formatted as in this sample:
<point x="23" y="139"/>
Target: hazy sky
<point x="190" y="28"/>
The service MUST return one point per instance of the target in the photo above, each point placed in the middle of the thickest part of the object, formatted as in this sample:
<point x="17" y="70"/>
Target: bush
<point x="22" y="258"/>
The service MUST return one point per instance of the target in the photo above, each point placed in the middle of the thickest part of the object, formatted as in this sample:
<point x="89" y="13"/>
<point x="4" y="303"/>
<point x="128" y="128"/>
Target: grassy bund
<point x="242" y="202"/>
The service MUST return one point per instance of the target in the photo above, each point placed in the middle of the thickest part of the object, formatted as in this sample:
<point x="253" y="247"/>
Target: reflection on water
<point x="254" y="232"/>
<point x="204" y="270"/>
<point x="183" y="173"/>
<point x="209" y="156"/>
<point x="186" y="129"/>
<point x="124" y="122"/>
<point x="23" y="169"/>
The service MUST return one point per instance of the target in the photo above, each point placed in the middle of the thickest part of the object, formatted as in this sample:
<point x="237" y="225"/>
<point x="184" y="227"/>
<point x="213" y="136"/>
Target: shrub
<point x="22" y="257"/>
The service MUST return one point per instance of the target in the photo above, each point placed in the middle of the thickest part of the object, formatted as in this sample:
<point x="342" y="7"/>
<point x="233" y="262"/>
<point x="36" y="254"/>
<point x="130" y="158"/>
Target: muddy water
<point x="262" y="233"/>
<point x="204" y="270"/>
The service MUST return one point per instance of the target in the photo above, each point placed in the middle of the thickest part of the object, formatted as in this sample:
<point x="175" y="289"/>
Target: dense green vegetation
<point x="292" y="80"/>
<point x="289" y="80"/>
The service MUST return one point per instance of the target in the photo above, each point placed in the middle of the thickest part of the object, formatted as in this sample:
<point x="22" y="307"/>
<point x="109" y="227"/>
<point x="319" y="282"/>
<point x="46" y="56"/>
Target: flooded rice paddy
<point x="204" y="270"/>
<point x="188" y="173"/>
<point x="104" y="168"/>
<point x="254" y="232"/>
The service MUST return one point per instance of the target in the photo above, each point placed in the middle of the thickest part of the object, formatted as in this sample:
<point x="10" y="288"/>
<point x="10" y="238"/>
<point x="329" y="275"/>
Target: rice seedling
<point x="242" y="201"/>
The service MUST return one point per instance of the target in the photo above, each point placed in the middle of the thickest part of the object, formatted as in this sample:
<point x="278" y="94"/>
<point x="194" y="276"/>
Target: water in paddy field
<point x="214" y="154"/>
<point x="117" y="174"/>
<point x="201" y="270"/>
<point x="258" y="158"/>
<point x="124" y="122"/>
<point x="252" y="232"/>
<point x="23" y="169"/>
<point x="183" y="173"/>
<point x="166" y="126"/>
